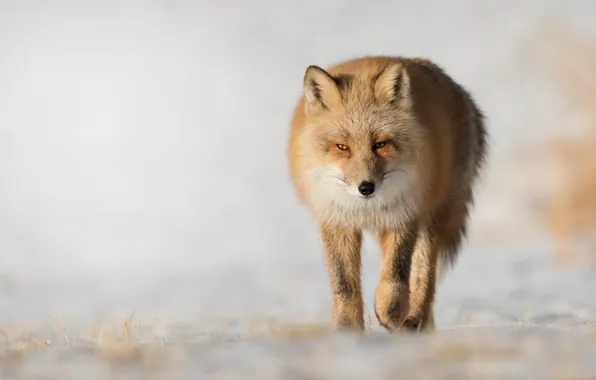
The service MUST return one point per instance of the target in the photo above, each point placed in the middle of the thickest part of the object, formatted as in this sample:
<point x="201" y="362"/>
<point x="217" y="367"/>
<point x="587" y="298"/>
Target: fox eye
<point x="379" y="145"/>
<point x="342" y="146"/>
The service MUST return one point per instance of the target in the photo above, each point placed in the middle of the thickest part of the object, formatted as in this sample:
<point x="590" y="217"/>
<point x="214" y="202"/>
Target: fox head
<point x="361" y="139"/>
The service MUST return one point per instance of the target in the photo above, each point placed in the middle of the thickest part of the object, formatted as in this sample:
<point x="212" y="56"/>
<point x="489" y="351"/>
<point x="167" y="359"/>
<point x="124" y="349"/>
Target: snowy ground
<point x="142" y="163"/>
<point x="501" y="315"/>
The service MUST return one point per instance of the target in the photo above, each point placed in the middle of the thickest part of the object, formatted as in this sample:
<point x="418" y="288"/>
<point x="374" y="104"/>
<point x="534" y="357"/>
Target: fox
<point x="394" y="146"/>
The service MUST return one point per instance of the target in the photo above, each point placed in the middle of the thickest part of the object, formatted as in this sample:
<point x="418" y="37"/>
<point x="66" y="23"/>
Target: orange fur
<point x="392" y="145"/>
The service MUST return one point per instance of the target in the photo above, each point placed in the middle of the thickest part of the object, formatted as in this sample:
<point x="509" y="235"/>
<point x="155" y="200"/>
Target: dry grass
<point x="130" y="345"/>
<point x="113" y="344"/>
<point x="128" y="341"/>
<point x="570" y="211"/>
<point x="301" y="331"/>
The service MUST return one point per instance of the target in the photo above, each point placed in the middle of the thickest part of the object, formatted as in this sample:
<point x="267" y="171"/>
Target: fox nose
<point x="366" y="188"/>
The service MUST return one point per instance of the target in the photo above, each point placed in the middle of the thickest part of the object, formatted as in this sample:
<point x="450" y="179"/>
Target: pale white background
<point x="142" y="150"/>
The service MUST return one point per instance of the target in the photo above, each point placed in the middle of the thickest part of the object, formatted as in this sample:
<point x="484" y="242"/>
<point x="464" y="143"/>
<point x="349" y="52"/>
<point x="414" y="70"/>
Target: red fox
<point x="394" y="146"/>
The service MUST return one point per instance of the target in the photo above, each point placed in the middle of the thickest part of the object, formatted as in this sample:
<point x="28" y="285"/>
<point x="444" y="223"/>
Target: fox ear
<point x="393" y="85"/>
<point x="320" y="90"/>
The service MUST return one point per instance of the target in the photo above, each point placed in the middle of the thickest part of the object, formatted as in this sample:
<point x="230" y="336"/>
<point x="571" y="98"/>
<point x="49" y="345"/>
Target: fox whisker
<point x="385" y="175"/>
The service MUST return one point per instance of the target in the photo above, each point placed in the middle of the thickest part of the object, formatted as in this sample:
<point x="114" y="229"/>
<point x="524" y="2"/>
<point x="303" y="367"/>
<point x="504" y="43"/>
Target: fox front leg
<point x="392" y="294"/>
<point x="342" y="256"/>
<point x="423" y="284"/>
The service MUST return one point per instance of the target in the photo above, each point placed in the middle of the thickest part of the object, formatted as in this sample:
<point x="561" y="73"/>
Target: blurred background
<point x="143" y="150"/>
